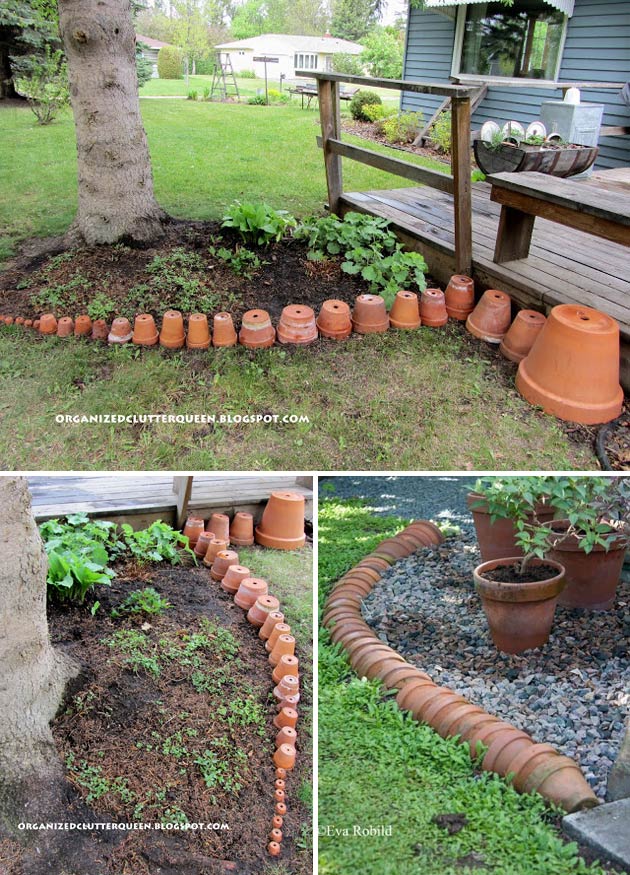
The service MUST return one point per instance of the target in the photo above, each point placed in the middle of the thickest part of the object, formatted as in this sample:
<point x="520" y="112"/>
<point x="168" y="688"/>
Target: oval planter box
<point x="560" y="161"/>
<point x="520" y="615"/>
<point x="591" y="578"/>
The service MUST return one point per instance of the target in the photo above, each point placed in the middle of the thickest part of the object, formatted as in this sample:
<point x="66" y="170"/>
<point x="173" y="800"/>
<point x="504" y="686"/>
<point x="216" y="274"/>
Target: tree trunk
<point x="32" y="674"/>
<point x="116" y="199"/>
<point x="7" y="89"/>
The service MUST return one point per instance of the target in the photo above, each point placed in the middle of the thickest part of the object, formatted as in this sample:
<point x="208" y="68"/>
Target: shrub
<point x="376" y="112"/>
<point x="361" y="99"/>
<point x="170" y="63"/>
<point x="192" y="95"/>
<point x="45" y="85"/>
<point x="144" y="67"/>
<point x="258" y="223"/>
<point x="402" y="127"/>
<point x="441" y="133"/>
<point x="383" y="53"/>
<point x="258" y="100"/>
<point x="247" y="74"/>
<point x="343" y="62"/>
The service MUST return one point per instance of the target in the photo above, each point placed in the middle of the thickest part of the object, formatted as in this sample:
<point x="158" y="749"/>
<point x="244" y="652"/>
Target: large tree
<point x="116" y="199"/>
<point x="33" y="674"/>
<point x="26" y="27"/>
<point x="352" y="19"/>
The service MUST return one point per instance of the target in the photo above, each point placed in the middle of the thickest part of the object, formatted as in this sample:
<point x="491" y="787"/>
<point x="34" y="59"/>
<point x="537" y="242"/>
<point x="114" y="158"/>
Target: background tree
<point x="383" y="53"/>
<point x="255" y="17"/>
<point x="116" y="199"/>
<point x="308" y="18"/>
<point x="33" y="674"/>
<point x="26" y="28"/>
<point x="190" y="33"/>
<point x="353" y="19"/>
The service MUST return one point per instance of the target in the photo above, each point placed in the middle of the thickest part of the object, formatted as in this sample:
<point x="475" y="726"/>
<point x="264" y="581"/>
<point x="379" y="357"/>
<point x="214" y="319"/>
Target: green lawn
<point x="410" y="401"/>
<point x="379" y="767"/>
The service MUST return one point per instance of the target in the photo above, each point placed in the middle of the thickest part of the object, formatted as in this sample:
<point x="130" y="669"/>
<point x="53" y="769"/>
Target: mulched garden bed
<point x="197" y="689"/>
<point x="189" y="278"/>
<point x="370" y="131"/>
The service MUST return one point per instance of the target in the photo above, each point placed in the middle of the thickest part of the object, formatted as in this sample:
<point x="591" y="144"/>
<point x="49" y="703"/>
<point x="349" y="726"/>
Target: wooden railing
<point x="457" y="183"/>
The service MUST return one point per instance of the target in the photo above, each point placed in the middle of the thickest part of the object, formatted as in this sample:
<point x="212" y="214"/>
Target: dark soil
<point x="193" y="279"/>
<point x="130" y="740"/>
<point x="512" y="574"/>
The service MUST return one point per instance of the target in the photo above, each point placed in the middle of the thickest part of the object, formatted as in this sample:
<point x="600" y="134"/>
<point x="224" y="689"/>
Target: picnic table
<point x="574" y="203"/>
<point x="310" y="92"/>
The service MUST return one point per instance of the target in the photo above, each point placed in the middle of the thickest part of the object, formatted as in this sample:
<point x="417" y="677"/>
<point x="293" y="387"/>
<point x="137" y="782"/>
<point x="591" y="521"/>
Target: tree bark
<point x="116" y="199"/>
<point x="32" y="674"/>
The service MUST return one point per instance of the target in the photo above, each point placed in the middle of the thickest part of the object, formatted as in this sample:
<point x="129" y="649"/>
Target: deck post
<point x="330" y="117"/>
<point x="462" y="195"/>
<point x="182" y="487"/>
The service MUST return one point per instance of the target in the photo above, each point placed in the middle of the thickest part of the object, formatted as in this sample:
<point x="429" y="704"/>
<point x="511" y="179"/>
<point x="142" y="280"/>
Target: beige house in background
<point x="291" y="53"/>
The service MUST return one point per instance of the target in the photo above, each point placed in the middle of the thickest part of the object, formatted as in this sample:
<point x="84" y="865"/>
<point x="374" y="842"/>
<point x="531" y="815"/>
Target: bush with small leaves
<point x="361" y="99"/>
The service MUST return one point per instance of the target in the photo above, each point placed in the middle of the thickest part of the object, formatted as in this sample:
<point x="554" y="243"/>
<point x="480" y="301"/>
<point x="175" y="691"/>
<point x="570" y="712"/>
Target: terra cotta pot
<point x="282" y="523"/>
<point x="198" y="336"/>
<point x="120" y="332"/>
<point x="405" y="311"/>
<point x="297" y="325"/>
<point x="144" y="331"/>
<point x="257" y="332"/>
<point x="460" y="297"/>
<point x="242" y="529"/>
<point x="224" y="333"/>
<point x="433" y="308"/>
<point x="370" y="315"/>
<point x="334" y="320"/>
<point x="521" y="335"/>
<point x="172" y="334"/>
<point x="491" y="317"/>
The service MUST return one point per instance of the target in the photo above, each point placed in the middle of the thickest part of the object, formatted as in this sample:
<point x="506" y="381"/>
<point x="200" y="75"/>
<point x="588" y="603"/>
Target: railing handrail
<point x="461" y="91"/>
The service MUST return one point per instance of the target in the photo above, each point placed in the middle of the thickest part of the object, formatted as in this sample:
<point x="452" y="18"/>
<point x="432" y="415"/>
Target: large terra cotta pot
<point x="520" y="615"/>
<point x="498" y="539"/>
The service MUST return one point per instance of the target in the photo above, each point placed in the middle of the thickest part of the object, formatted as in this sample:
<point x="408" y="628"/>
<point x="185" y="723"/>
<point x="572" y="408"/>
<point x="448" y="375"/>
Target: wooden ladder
<point x="445" y="106"/>
<point x="223" y="71"/>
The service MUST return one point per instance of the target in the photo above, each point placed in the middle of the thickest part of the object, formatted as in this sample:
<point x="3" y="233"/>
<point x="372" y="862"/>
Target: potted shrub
<point x="591" y="537"/>
<point x="499" y="503"/>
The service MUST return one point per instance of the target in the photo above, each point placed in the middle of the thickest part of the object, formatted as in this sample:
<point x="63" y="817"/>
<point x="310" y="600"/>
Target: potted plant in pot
<point x="497" y="504"/>
<point x="590" y="537"/>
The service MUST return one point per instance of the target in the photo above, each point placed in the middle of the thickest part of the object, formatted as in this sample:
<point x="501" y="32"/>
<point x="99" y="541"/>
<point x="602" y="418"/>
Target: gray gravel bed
<point x="574" y="693"/>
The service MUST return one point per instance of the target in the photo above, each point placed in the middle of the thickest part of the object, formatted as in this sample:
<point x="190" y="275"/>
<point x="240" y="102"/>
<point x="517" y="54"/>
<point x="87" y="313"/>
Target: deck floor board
<point x="564" y="265"/>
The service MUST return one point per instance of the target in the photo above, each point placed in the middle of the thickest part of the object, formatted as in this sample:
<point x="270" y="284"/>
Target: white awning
<point x="565" y="6"/>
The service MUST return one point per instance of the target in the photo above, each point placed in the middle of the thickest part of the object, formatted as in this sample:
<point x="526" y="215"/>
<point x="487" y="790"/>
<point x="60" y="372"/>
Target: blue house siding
<point x="597" y="49"/>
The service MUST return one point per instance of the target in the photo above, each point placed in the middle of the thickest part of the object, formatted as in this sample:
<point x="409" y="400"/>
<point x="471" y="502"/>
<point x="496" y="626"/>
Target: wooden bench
<point x="579" y="205"/>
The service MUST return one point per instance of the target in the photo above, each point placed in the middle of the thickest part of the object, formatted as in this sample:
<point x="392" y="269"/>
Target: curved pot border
<point x="563" y="783"/>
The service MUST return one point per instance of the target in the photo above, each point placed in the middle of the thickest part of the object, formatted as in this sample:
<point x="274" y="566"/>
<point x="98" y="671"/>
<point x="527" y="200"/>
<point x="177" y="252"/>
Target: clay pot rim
<point x="525" y="591"/>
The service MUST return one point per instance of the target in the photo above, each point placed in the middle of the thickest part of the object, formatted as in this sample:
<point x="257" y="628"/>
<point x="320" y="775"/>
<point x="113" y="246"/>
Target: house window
<point x="522" y="41"/>
<point x="305" y="62"/>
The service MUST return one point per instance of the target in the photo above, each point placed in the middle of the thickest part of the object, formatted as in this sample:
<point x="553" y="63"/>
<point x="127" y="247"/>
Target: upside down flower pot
<point x="65" y="326"/>
<point x="286" y="735"/>
<point x="220" y="525"/>
<point x="144" y="331"/>
<point x="491" y="317"/>
<point x="82" y="326"/>
<point x="172" y="334"/>
<point x="276" y="834"/>
<point x="203" y="542"/>
<point x="222" y="562"/>
<point x="120" y="331"/>
<point x="260" y="610"/>
<point x="256" y="332"/>
<point x="273" y="849"/>
<point x="334" y="321"/>
<point x="460" y="297"/>
<point x="282" y="523"/>
<point x="36" y="323"/>
<point x="279" y="628"/>
<point x="520" y="614"/>
<point x="198" y="336"/>
<point x="572" y="370"/>
<point x="28" y="323"/>
<point x="289" y="686"/>
<point x="249" y="590"/>
<point x="234" y="576"/>
<point x="521" y="335"/>
<point x="283" y="646"/>
<point x="297" y="325"/>
<point x="284" y="757"/>
<point x="433" y="308"/>
<point x="271" y="620"/>
<point x="370" y="315"/>
<point x="193" y="529"/>
<point x="242" y="529"/>
<point x="215" y="546"/>
<point x="286" y="717"/>
<point x="223" y="333"/>
<point x="100" y="329"/>
<point x="405" y="312"/>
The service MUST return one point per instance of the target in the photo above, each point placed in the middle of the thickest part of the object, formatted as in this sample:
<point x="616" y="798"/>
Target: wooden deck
<point x="144" y="498"/>
<point x="564" y="265"/>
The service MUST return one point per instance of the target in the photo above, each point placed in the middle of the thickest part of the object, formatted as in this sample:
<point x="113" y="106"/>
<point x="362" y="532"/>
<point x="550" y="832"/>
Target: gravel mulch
<point x="574" y="693"/>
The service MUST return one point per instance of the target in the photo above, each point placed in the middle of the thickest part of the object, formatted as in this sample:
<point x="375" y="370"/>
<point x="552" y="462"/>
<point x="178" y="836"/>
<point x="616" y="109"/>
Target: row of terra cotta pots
<point x="281" y="527"/>
<point x="252" y="595"/>
<point x="568" y="364"/>
<point x="506" y="750"/>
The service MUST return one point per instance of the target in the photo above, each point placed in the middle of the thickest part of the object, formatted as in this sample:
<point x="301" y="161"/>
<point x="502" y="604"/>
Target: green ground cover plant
<point x="378" y="766"/>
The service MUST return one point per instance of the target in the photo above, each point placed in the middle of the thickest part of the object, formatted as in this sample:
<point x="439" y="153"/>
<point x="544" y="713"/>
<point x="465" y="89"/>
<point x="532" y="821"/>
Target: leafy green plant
<point x="376" y="112"/>
<point x="441" y="133"/>
<point x="241" y="260"/>
<point x="361" y="99"/>
<point x="142" y="601"/>
<point x="248" y="74"/>
<point x="78" y="552"/>
<point x="45" y="85"/>
<point x="344" y="62"/>
<point x="139" y="651"/>
<point x="258" y="223"/>
<point x="257" y="100"/>
<point x="192" y="95"/>
<point x="401" y="127"/>
<point x="206" y="93"/>
<point x="101" y="307"/>
<point x="158" y="543"/>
